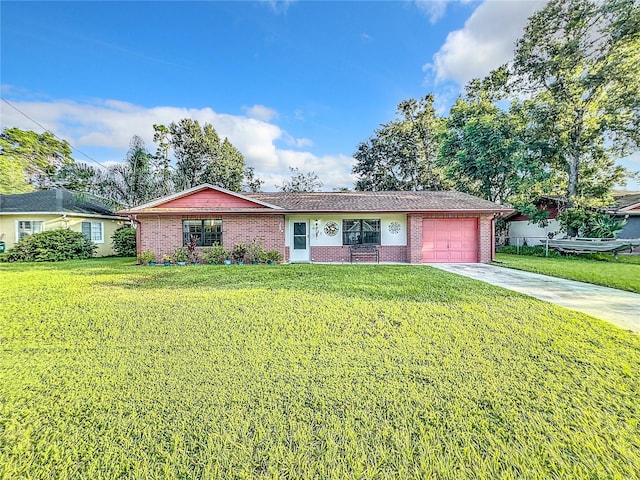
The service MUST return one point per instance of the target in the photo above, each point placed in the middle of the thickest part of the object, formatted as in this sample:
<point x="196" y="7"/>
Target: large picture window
<point x="361" y="231"/>
<point x="28" y="227"/>
<point x="94" y="231"/>
<point x="207" y="232"/>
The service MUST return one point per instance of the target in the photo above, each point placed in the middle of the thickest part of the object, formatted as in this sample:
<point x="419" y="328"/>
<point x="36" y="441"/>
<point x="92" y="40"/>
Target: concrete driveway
<point x="616" y="306"/>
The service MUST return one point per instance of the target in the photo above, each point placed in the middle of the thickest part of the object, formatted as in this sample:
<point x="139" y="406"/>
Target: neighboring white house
<point x="523" y="232"/>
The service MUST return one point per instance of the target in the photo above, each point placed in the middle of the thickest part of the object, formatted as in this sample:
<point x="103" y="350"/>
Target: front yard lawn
<point x="623" y="274"/>
<point x="305" y="371"/>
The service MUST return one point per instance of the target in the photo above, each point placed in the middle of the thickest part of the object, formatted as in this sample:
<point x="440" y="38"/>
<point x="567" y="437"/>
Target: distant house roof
<point x="211" y="199"/>
<point x="551" y="204"/>
<point x="53" y="201"/>
<point x="627" y="203"/>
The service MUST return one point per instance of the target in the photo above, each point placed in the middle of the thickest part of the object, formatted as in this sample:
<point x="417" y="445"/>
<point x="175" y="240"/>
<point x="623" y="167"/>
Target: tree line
<point x="187" y="155"/>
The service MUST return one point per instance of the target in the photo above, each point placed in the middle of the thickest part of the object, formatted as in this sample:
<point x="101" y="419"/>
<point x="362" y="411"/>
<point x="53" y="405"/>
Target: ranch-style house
<point x="404" y="227"/>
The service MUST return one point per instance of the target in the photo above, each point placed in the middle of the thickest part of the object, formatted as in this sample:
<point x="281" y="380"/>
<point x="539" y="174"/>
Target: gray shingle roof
<point x="53" y="201"/>
<point x="377" y="201"/>
<point x="627" y="200"/>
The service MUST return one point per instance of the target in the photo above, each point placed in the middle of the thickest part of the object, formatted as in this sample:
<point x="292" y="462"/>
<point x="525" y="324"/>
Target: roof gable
<point x="209" y="198"/>
<point x="204" y="197"/>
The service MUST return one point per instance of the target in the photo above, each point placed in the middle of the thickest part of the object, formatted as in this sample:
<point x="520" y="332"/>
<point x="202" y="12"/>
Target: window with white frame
<point x="94" y="231"/>
<point x="361" y="231"/>
<point x="28" y="227"/>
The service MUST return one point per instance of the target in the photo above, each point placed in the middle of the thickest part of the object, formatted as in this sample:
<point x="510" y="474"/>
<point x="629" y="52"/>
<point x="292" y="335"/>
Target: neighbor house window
<point x="94" y="231"/>
<point x="207" y="232"/>
<point x="28" y="227"/>
<point x="361" y="231"/>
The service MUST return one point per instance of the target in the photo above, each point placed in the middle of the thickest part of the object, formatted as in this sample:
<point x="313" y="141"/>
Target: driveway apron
<point x="616" y="306"/>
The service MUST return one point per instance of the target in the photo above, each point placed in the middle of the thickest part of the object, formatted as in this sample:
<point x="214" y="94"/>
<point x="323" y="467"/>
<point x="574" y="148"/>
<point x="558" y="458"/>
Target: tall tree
<point x="580" y="60"/>
<point x="161" y="160"/>
<point x="131" y="182"/>
<point x="200" y="155"/>
<point x="301" y="182"/>
<point x="79" y="177"/>
<point x="228" y="170"/>
<point x="402" y="154"/>
<point x="39" y="156"/>
<point x="424" y="126"/>
<point x="12" y="176"/>
<point x="251" y="183"/>
<point x="484" y="152"/>
<point x="388" y="160"/>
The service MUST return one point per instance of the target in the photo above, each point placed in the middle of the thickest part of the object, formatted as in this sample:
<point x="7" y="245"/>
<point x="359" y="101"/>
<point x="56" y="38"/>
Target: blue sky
<point x="289" y="83"/>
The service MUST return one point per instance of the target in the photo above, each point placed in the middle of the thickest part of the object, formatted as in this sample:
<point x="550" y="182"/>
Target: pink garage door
<point x="449" y="240"/>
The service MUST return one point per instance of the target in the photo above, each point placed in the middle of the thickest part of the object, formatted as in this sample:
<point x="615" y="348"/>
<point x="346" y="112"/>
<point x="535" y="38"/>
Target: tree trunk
<point x="574" y="165"/>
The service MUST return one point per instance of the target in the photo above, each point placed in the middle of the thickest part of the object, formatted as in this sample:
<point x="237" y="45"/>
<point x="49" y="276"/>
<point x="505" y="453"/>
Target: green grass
<point x="305" y="371"/>
<point x="623" y="273"/>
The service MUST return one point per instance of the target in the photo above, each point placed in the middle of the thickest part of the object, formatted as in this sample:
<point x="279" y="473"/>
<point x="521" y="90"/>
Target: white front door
<point x="299" y="249"/>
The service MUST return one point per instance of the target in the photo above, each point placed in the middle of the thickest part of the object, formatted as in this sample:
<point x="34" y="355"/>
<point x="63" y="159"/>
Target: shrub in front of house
<point x="124" y="242"/>
<point x="532" y="251"/>
<point x="216" y="254"/>
<point x="52" y="246"/>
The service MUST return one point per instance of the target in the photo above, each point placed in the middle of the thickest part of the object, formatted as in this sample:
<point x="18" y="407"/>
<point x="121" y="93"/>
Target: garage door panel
<point x="450" y="240"/>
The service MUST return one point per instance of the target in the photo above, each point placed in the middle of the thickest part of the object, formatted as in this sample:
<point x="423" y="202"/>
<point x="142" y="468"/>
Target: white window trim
<point x="101" y="240"/>
<point x="33" y="230"/>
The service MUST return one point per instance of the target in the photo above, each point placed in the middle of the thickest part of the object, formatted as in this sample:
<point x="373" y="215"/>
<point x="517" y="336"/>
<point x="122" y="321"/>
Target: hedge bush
<point x="52" y="246"/>
<point x="532" y="251"/>
<point x="124" y="242"/>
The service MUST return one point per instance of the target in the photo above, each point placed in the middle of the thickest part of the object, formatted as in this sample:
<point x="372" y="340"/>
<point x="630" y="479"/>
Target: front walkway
<point x="616" y="306"/>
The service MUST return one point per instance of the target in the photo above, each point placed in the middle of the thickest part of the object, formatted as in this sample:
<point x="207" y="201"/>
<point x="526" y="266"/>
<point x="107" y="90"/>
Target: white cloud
<point x="260" y="112"/>
<point x="103" y="129"/>
<point x="278" y="6"/>
<point x="486" y="41"/>
<point x="434" y="9"/>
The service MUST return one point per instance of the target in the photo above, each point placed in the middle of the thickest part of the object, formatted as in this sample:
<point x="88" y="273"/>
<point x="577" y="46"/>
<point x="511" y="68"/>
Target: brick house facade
<point x="405" y="227"/>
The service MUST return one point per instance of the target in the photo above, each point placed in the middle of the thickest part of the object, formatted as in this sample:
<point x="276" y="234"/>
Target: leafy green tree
<point x="228" y="171"/>
<point x="124" y="241"/>
<point x="251" y="182"/>
<point x="131" y="182"/>
<point x="386" y="161"/>
<point x="484" y="153"/>
<point x="301" y="182"/>
<point x="200" y="155"/>
<point x="38" y="156"/>
<point x="424" y="126"/>
<point x="79" y="177"/>
<point x="579" y="60"/>
<point x="12" y="177"/>
<point x="161" y="160"/>
<point x="402" y="154"/>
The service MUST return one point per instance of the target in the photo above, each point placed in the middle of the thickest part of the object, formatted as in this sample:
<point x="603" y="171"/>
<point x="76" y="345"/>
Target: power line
<point x="49" y="131"/>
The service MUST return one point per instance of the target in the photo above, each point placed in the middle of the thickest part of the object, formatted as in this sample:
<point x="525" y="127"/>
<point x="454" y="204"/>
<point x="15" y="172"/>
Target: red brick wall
<point x="337" y="254"/>
<point x="162" y="235"/>
<point x="414" y="238"/>
<point x="486" y="239"/>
